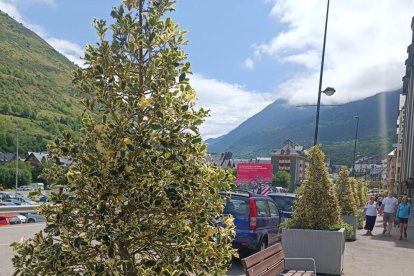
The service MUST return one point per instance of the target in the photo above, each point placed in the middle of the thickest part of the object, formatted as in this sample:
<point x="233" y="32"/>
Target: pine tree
<point x="145" y="198"/>
<point x="316" y="205"/>
<point x="345" y="193"/>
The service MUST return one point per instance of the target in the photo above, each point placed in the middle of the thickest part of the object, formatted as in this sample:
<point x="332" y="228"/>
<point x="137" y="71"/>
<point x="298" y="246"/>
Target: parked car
<point x="5" y="203"/>
<point x="256" y="220"/>
<point x="43" y="198"/>
<point x="13" y="201"/>
<point x="33" y="217"/>
<point x="22" y="218"/>
<point x="4" y="196"/>
<point x="280" y="190"/>
<point x="25" y="201"/>
<point x="6" y="219"/>
<point x="284" y="202"/>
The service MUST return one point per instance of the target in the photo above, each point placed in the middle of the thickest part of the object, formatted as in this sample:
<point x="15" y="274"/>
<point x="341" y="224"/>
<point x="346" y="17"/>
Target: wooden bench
<point x="272" y="261"/>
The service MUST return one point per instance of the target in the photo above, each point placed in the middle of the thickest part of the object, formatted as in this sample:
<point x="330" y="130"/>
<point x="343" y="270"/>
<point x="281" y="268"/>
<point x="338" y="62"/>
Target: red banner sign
<point x="253" y="172"/>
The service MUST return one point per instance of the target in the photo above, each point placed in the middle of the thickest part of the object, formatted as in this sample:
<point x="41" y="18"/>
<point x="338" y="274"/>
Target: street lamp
<point x="355" y="144"/>
<point x="17" y="157"/>
<point x="329" y="91"/>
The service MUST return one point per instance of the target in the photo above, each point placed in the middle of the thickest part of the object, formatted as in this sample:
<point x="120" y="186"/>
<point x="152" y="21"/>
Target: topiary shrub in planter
<point x="346" y="198"/>
<point x="313" y="231"/>
<point x="362" y="193"/>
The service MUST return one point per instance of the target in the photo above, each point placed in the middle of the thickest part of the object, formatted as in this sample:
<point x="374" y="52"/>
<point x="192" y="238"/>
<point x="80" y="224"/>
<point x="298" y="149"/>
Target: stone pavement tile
<point x="380" y="255"/>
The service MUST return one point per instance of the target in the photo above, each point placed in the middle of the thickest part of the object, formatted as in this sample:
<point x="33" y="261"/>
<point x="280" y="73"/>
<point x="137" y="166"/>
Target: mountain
<point x="36" y="92"/>
<point x="269" y="128"/>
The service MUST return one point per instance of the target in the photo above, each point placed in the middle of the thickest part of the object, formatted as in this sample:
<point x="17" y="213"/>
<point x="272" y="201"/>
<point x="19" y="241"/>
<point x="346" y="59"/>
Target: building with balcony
<point x="292" y="159"/>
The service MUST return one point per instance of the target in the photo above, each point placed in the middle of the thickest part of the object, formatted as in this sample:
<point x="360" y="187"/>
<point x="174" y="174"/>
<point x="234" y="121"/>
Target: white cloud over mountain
<point x="229" y="104"/>
<point x="365" y="49"/>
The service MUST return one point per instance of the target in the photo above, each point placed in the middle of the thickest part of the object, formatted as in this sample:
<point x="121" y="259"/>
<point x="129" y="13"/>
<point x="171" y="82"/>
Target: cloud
<point x="70" y="50"/>
<point x="229" y="104"/>
<point x="11" y="10"/>
<point x="248" y="64"/>
<point x="366" y="47"/>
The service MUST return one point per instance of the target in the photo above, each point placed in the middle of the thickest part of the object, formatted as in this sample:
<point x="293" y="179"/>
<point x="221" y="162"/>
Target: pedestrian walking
<point x="370" y="215"/>
<point x="388" y="208"/>
<point x="403" y="213"/>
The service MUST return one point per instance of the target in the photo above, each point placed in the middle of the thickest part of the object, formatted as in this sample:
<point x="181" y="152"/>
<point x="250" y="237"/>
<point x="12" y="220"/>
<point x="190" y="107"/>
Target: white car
<point x="22" y="218"/>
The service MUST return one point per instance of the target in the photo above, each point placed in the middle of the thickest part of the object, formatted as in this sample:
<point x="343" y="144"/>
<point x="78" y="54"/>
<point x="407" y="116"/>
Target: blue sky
<point x="247" y="53"/>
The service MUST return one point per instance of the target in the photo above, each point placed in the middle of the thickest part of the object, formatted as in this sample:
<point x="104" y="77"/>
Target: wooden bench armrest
<point x="309" y="259"/>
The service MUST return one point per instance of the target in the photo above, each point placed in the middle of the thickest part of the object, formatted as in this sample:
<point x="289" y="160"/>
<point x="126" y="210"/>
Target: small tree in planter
<point x="316" y="215"/>
<point x="345" y="193"/>
<point x="354" y="185"/>
<point x="316" y="206"/>
<point x="362" y="193"/>
<point x="346" y="197"/>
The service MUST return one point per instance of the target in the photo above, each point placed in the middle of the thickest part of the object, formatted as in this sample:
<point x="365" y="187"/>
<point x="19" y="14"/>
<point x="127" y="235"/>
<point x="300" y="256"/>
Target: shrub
<point x="316" y="205"/>
<point x="345" y="194"/>
<point x="362" y="193"/>
<point x="146" y="201"/>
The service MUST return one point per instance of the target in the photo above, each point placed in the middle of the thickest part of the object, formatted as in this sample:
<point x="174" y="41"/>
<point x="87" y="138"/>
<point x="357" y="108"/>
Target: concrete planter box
<point x="352" y="220"/>
<point x="326" y="247"/>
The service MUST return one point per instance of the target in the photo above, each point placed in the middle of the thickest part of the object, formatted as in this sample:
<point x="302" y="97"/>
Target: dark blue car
<point x="284" y="202"/>
<point x="256" y="220"/>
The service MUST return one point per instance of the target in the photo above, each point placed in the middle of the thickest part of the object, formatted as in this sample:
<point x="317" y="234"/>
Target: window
<point x="274" y="212"/>
<point x="237" y="207"/>
<point x="262" y="208"/>
<point x="285" y="203"/>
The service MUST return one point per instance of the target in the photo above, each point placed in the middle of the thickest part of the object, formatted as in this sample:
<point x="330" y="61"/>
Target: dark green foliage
<point x="8" y="174"/>
<point x="281" y="179"/>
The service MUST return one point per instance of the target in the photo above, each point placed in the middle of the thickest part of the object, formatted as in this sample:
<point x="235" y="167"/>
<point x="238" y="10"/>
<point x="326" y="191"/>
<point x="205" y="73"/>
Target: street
<point x="9" y="234"/>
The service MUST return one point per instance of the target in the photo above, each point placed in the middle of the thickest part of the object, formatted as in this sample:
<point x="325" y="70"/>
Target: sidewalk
<point x="380" y="255"/>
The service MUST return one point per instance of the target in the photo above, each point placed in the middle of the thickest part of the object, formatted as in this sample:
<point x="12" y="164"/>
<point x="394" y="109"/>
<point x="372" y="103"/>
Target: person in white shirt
<point x="388" y="208"/>
<point x="370" y="215"/>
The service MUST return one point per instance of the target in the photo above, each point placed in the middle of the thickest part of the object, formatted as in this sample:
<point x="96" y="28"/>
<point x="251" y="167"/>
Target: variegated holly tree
<point x="145" y="198"/>
<point x="345" y="193"/>
<point x="316" y="205"/>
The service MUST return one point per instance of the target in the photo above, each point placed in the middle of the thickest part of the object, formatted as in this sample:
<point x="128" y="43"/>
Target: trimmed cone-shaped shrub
<point x="362" y="193"/>
<point x="354" y="184"/>
<point x="345" y="193"/>
<point x="316" y="205"/>
<point x="146" y="201"/>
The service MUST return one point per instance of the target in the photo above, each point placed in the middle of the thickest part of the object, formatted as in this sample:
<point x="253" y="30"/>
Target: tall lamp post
<point x="329" y="90"/>
<point x="17" y="158"/>
<point x="355" y="144"/>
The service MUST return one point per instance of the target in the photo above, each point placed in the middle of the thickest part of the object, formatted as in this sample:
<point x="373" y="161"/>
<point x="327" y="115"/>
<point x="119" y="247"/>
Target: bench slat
<point x="259" y="256"/>
<point x="274" y="260"/>
<point x="275" y="270"/>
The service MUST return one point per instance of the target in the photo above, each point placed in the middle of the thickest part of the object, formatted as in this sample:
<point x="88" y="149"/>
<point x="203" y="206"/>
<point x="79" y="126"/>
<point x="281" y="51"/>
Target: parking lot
<point x="10" y="234"/>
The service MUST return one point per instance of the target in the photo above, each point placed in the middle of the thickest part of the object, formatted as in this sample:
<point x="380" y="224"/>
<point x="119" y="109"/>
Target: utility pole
<point x="17" y="158"/>
<point x="355" y="144"/>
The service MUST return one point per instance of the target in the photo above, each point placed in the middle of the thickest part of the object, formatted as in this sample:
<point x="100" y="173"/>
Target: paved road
<point x="369" y="255"/>
<point x="9" y="234"/>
